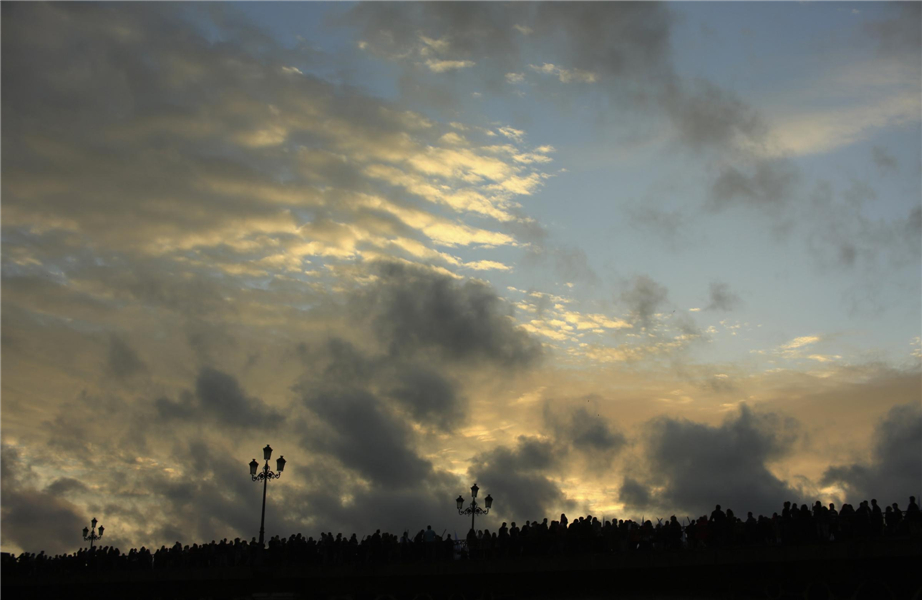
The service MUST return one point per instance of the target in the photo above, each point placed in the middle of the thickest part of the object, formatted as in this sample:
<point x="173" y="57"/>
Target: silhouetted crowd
<point x="794" y="526"/>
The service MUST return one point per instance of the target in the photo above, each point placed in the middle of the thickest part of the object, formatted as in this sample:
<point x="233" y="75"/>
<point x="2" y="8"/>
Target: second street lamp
<point x="265" y="475"/>
<point x="92" y="536"/>
<point x="474" y="509"/>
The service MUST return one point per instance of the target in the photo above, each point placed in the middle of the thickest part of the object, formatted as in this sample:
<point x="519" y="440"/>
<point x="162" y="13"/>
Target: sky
<point x="617" y="259"/>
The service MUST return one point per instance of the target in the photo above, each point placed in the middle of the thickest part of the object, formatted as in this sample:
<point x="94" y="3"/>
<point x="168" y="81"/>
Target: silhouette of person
<point x="877" y="518"/>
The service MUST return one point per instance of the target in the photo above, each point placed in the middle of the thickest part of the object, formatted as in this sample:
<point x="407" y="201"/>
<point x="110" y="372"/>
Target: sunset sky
<point x="617" y="259"/>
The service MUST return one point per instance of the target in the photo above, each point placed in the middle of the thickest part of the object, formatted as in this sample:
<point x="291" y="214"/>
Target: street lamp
<point x="265" y="475"/>
<point x="92" y="536"/>
<point x="473" y="509"/>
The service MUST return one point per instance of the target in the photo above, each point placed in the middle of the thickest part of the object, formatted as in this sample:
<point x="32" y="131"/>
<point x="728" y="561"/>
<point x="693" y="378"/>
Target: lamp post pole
<point x="474" y="509"/>
<point x="91" y="535"/>
<point x="265" y="475"/>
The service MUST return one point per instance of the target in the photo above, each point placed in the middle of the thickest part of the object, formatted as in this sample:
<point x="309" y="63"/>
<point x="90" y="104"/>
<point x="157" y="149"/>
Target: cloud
<point x="884" y="160"/>
<point x="623" y="47"/>
<point x="768" y="186"/>
<point x="35" y="519"/>
<point x="219" y="396"/>
<point x="429" y="397"/>
<point x="301" y="169"/>
<point x="840" y="235"/>
<point x="722" y="298"/>
<point x="216" y="503"/>
<point x="415" y="311"/>
<point x="366" y="437"/>
<point x="696" y="465"/>
<point x="587" y="433"/>
<point x="897" y="33"/>
<point x="568" y="261"/>
<point x="799" y="342"/>
<point x="644" y="299"/>
<point x="894" y="471"/>
<point x="123" y="361"/>
<point x="565" y="75"/>
<point x="441" y="66"/>
<point x="818" y="132"/>
<point x="419" y="332"/>
<point x="517" y="478"/>
<point x="708" y="117"/>
<point x="634" y="495"/>
<point x="673" y="228"/>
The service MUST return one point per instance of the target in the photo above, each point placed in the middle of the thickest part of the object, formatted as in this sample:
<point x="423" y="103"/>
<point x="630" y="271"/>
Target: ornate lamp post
<point x="265" y="475"/>
<point x="473" y="509"/>
<point x="92" y="536"/>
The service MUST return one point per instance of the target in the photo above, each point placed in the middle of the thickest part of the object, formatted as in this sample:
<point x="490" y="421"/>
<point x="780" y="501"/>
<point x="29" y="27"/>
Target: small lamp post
<point x="474" y="509"/>
<point x="265" y="475"/>
<point x="91" y="535"/>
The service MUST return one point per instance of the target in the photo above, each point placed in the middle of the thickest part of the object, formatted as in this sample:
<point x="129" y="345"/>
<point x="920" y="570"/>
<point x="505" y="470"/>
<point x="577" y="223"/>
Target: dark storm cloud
<point x="584" y="430"/>
<point x="416" y="311"/>
<point x="367" y="472"/>
<point x="644" y="299"/>
<point x="123" y="361"/>
<point x="367" y="437"/>
<point x="722" y="298"/>
<point x="36" y="519"/>
<point x="340" y="361"/>
<point x="218" y="396"/>
<point x="429" y="397"/>
<point x="427" y="393"/>
<point x="635" y="495"/>
<point x="895" y="470"/>
<point x="698" y="465"/>
<point x="420" y="331"/>
<point x="427" y="329"/>
<point x="592" y="433"/>
<point x="519" y="475"/>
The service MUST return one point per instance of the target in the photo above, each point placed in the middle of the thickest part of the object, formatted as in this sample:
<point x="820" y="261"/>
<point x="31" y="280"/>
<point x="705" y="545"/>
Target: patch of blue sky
<point x="760" y="45"/>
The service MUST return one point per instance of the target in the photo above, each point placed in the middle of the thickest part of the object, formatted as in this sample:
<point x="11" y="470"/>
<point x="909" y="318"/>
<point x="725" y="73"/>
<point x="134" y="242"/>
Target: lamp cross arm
<point x="266" y="474"/>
